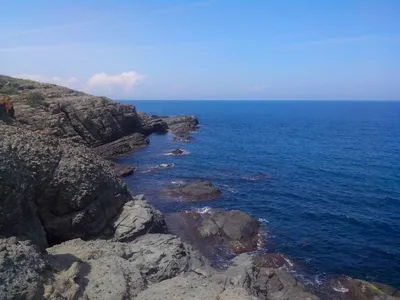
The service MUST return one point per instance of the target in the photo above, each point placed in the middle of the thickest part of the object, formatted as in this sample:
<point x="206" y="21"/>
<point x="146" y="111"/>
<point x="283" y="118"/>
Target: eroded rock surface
<point x="22" y="270"/>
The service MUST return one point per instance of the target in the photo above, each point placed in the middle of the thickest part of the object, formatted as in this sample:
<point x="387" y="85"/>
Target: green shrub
<point x="8" y="90"/>
<point x="36" y="99"/>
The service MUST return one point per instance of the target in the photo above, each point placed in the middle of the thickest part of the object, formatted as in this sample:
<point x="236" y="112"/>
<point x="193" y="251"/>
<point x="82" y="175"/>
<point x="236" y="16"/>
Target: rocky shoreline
<point x="71" y="229"/>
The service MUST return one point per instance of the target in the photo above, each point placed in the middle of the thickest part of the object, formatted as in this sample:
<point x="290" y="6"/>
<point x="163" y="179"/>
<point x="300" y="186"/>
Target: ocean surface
<point x="322" y="177"/>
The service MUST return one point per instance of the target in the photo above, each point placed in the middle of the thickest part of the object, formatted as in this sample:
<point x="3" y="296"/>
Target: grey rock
<point x="200" y="190"/>
<point x="52" y="190"/>
<point x="22" y="270"/>
<point x="177" y="152"/>
<point x="138" y="218"/>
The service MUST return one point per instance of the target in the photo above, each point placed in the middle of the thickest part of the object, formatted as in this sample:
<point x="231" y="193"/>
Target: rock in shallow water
<point x="201" y="190"/>
<point x="355" y="289"/>
<point x="182" y="126"/>
<point x="233" y="230"/>
<point x="123" y="170"/>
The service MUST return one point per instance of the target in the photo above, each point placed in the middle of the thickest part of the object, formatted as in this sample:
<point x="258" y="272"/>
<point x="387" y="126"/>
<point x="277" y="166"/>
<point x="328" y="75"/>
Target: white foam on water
<point x="172" y="154"/>
<point x="263" y="220"/>
<point x="288" y="261"/>
<point x="177" y="182"/>
<point x="204" y="210"/>
<point x="340" y="289"/>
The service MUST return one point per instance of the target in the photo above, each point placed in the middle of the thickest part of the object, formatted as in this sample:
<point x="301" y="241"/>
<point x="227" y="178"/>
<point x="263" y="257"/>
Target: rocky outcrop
<point x="82" y="118"/>
<point x="69" y="114"/>
<point x="52" y="190"/>
<point x="138" y="218"/>
<point x="218" y="235"/>
<point x="182" y="126"/>
<point x="200" y="190"/>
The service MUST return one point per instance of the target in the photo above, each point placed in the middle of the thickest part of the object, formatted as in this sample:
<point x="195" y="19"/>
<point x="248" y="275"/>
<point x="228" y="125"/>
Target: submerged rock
<point x="200" y="190"/>
<point x="177" y="152"/>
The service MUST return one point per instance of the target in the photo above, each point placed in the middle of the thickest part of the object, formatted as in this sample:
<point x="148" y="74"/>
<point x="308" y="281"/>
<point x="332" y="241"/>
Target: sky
<point x="207" y="49"/>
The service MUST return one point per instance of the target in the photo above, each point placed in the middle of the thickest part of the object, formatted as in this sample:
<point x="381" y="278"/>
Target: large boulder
<point x="138" y="218"/>
<point x="52" y="190"/>
<point x="200" y="190"/>
<point x="218" y="235"/>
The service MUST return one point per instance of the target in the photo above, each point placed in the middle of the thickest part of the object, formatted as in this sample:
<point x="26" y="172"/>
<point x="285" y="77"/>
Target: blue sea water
<point x="331" y="197"/>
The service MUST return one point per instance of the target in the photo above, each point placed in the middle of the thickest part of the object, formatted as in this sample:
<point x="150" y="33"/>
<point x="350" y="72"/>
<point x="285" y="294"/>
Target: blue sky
<point x="207" y="49"/>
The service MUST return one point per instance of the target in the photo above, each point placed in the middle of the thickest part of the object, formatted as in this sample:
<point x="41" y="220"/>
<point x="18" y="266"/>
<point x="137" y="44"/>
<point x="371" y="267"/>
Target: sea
<point x="322" y="177"/>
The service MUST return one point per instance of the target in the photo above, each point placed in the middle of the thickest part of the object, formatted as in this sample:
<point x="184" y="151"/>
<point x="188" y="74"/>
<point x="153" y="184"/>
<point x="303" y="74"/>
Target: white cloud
<point x="70" y="82"/>
<point x="125" y="81"/>
<point x="100" y="84"/>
